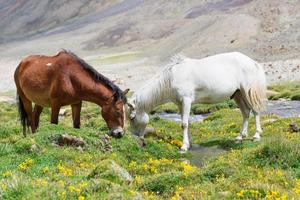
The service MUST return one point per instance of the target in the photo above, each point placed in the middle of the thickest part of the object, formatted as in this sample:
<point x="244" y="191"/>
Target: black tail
<point x="22" y="113"/>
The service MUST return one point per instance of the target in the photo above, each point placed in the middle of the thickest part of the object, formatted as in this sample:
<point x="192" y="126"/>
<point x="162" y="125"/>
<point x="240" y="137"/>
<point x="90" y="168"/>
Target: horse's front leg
<point x="185" y="115"/>
<point x="55" y="107"/>
<point x="76" y="109"/>
<point x="258" y="130"/>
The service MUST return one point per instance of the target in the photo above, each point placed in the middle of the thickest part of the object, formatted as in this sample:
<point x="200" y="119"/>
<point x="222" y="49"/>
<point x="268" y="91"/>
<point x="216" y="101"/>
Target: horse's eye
<point x="119" y="112"/>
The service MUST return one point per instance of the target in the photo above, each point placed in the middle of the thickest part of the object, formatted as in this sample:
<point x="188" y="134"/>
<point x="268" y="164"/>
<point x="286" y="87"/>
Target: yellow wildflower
<point x="46" y="170"/>
<point x="63" y="170"/>
<point x="41" y="182"/>
<point x="274" y="195"/>
<point x="177" y="143"/>
<point x="132" y="192"/>
<point x="145" y="166"/>
<point x="62" y="195"/>
<point x="138" y="179"/>
<point x="187" y="168"/>
<point x="3" y="186"/>
<point x="25" y="165"/>
<point x="81" y="198"/>
<point x="279" y="173"/>
<point x="83" y="184"/>
<point x="153" y="170"/>
<point x="72" y="188"/>
<point x="178" y="192"/>
<point x="240" y="194"/>
<point x="297" y="187"/>
<point x="132" y="165"/>
<point x="7" y="174"/>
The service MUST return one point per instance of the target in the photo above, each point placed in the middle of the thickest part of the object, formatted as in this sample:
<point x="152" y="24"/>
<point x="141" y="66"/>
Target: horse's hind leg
<point x="37" y="112"/>
<point x="185" y="115"/>
<point x="245" y="112"/>
<point x="55" y="107"/>
<point x="76" y="108"/>
<point x="28" y="109"/>
<point x="258" y="130"/>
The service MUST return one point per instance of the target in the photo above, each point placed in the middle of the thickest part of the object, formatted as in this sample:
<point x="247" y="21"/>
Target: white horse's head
<point x="138" y="118"/>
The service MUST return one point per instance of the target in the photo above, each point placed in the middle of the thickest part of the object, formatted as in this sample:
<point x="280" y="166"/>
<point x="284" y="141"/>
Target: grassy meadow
<point x="36" y="167"/>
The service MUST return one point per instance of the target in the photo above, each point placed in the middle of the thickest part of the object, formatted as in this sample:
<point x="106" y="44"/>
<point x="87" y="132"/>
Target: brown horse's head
<point x="114" y="115"/>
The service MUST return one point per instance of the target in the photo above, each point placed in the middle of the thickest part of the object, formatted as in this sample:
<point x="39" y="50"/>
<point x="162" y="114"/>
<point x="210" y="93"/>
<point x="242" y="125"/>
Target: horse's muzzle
<point x="117" y="132"/>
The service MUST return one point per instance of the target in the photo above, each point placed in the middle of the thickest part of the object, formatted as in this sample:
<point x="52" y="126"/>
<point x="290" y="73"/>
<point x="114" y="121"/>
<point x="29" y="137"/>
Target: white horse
<point x="209" y="80"/>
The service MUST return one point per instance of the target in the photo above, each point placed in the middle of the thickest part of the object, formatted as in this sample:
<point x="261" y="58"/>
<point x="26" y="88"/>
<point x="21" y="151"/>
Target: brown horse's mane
<point x="117" y="92"/>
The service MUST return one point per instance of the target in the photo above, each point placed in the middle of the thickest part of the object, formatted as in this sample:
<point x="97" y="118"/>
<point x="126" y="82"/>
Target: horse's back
<point x="214" y="78"/>
<point x="38" y="76"/>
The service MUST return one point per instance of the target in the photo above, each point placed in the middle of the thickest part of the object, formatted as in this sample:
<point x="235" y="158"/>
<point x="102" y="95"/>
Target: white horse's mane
<point x="177" y="59"/>
<point x="158" y="88"/>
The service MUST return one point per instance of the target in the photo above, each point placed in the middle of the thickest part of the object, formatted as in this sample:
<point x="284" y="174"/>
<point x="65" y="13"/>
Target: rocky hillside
<point x="265" y="29"/>
<point x="120" y="35"/>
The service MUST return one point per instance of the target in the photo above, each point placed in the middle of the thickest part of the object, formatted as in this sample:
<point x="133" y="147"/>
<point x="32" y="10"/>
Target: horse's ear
<point x="126" y="91"/>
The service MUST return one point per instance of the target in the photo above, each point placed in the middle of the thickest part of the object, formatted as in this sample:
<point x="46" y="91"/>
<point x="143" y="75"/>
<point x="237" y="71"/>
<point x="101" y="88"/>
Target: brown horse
<point x="65" y="79"/>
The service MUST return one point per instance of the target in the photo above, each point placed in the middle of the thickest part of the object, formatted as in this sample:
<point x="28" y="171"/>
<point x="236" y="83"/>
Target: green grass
<point x="286" y="90"/>
<point x="35" y="168"/>
<point x="196" y="108"/>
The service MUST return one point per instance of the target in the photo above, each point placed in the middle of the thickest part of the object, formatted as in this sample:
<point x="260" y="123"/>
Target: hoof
<point x="183" y="151"/>
<point x="239" y="138"/>
<point x="256" y="139"/>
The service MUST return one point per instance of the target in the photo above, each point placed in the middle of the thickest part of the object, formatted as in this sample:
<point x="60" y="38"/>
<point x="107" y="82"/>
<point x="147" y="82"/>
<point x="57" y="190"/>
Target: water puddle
<point x="282" y="108"/>
<point x="177" y="118"/>
<point x="201" y="153"/>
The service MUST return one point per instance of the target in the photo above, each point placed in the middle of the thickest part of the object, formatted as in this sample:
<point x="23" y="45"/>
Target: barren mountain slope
<point x="117" y="36"/>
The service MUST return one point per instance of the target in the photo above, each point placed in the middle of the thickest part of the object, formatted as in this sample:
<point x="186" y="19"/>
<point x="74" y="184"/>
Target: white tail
<point x="257" y="94"/>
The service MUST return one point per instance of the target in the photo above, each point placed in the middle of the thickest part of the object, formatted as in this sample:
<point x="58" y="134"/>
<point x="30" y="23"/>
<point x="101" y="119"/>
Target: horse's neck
<point x="99" y="94"/>
<point x="152" y="96"/>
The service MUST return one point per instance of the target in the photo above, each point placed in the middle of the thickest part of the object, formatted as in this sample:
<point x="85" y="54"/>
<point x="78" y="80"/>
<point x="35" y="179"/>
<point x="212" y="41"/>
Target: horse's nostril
<point x="117" y="133"/>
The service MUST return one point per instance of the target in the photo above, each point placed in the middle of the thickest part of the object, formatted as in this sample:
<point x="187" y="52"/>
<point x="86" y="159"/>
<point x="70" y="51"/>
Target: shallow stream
<point x="200" y="153"/>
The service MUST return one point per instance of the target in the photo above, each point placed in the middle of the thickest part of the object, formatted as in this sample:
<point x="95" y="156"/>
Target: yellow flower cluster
<point x="132" y="192"/>
<point x="138" y="180"/>
<point x="132" y="165"/>
<point x="249" y="194"/>
<point x="152" y="165"/>
<point x="274" y="195"/>
<point x="73" y="188"/>
<point x="41" y="182"/>
<point x="85" y="165"/>
<point x="178" y="192"/>
<point x="63" y="170"/>
<point x="7" y="174"/>
<point x="149" y="195"/>
<point x="81" y="198"/>
<point x="62" y="195"/>
<point x="177" y="143"/>
<point x="45" y="170"/>
<point x="25" y="165"/>
<point x="187" y="168"/>
<point x="296" y="189"/>
<point x="77" y="189"/>
<point x="3" y="186"/>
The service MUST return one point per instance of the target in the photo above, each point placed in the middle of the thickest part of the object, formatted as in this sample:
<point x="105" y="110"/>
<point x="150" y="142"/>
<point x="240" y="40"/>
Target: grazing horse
<point x="65" y="79"/>
<point x="209" y="80"/>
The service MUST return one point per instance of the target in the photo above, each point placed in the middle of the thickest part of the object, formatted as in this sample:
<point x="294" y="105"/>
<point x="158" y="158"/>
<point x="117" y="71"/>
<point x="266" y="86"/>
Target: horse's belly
<point x="41" y="98"/>
<point x="213" y="95"/>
